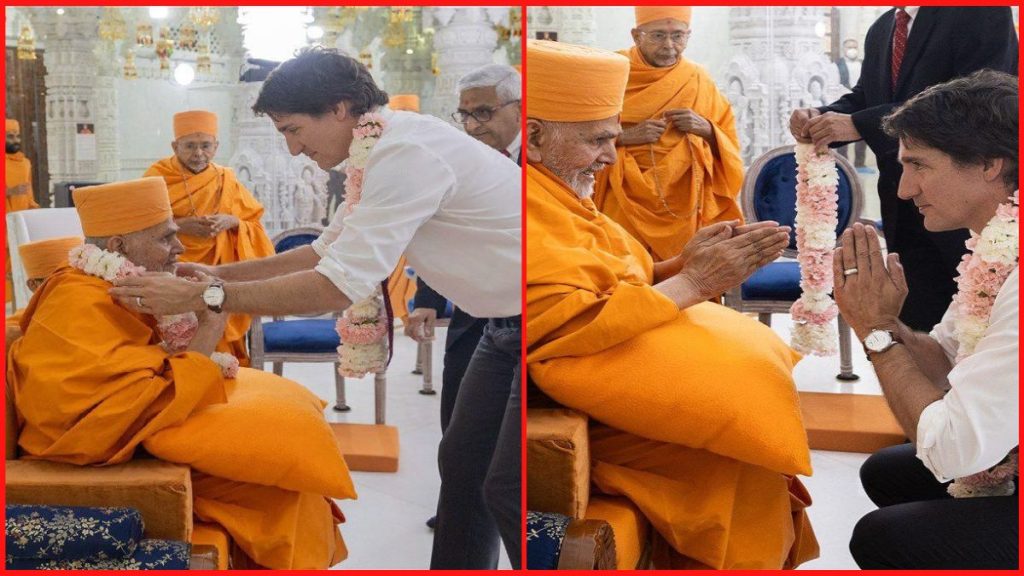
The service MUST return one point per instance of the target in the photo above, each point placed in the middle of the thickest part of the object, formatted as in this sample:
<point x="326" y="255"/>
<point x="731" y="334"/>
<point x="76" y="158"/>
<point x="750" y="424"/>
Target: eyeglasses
<point x="204" y="146"/>
<point x="481" y="115"/>
<point x="659" y="37"/>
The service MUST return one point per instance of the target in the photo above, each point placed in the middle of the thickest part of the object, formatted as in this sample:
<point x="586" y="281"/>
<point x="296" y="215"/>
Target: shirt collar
<point x="513" y="148"/>
<point x="911" y="11"/>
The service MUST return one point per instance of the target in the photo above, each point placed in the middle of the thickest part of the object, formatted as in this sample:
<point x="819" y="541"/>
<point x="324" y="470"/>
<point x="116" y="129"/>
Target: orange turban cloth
<point x="645" y="14"/>
<point x="193" y="121"/>
<point x="408" y="102"/>
<point x="570" y="83"/>
<point x="42" y="257"/>
<point x="122" y="207"/>
<point x="13" y="126"/>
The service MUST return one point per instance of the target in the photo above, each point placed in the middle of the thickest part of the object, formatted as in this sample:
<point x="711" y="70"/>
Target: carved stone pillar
<point x="71" y="83"/>
<point x="573" y="25"/>
<point x="464" y="41"/>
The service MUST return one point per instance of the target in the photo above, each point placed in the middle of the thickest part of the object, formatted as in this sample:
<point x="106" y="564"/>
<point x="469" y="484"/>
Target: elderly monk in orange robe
<point x="40" y="259"/>
<point x="678" y="166"/>
<point x="218" y="219"/>
<point x="92" y="383"/>
<point x="18" y="180"/>
<point x="694" y="414"/>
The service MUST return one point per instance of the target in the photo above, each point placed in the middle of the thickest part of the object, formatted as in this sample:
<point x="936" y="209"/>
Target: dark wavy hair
<point x="972" y="119"/>
<point x="315" y="81"/>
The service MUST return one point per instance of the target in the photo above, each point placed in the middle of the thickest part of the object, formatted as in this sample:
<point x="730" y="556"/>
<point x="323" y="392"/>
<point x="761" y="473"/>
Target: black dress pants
<point x="920" y="526"/>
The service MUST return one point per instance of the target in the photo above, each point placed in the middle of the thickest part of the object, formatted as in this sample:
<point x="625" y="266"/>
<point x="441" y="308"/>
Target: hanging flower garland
<point x="816" y="220"/>
<point x="176" y="330"/>
<point x="363" y="327"/>
<point x="993" y="255"/>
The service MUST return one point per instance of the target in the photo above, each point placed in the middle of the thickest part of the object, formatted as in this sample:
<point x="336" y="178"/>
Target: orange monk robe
<point x="401" y="290"/>
<point x="91" y="383"/>
<point x="17" y="171"/>
<point x="602" y="340"/>
<point x="216" y="190"/>
<point x="662" y="193"/>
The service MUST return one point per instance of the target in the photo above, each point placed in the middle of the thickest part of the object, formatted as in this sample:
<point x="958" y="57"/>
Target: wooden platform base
<point x="368" y="447"/>
<point x="849" y="422"/>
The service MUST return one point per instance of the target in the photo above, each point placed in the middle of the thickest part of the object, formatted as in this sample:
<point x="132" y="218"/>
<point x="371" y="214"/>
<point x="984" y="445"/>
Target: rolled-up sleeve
<point x="976" y="424"/>
<point x="331" y="233"/>
<point x="404" y="186"/>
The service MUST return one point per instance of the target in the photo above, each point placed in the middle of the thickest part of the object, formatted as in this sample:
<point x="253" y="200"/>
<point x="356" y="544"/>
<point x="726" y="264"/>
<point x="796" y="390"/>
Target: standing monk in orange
<point x="678" y="166"/>
<point x="18" y="181"/>
<point x="218" y="219"/>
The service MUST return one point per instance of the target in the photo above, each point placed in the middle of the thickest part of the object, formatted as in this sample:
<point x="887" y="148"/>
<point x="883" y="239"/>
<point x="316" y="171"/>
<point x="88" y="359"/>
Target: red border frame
<point x="525" y="65"/>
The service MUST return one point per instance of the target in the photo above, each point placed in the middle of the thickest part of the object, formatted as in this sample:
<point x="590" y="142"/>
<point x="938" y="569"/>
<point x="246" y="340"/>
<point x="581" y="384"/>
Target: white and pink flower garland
<point x="177" y="330"/>
<point x="993" y="256"/>
<point x="363" y="327"/>
<point x="816" y="220"/>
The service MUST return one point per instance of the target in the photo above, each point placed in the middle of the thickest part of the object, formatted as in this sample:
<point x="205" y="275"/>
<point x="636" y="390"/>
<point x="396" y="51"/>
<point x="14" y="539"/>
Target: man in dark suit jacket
<point x="943" y="43"/>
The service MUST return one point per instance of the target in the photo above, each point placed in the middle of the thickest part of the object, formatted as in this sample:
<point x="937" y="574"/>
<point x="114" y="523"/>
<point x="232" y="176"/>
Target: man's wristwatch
<point x="878" y="341"/>
<point x="213" y="296"/>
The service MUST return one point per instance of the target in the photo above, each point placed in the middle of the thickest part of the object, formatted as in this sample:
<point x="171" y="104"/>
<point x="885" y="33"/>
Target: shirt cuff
<point x="319" y="246"/>
<point x="354" y="291"/>
<point x="929" y="425"/>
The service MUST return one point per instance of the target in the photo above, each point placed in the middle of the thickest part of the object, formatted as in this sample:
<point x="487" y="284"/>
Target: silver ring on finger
<point x="138" y="302"/>
<point x="850" y="271"/>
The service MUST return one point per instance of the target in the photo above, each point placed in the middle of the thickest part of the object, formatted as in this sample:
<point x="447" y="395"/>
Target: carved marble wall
<point x="778" y="65"/>
<point x="575" y="25"/>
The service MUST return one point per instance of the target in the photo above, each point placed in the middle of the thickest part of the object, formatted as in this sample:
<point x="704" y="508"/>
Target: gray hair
<point x="505" y="79"/>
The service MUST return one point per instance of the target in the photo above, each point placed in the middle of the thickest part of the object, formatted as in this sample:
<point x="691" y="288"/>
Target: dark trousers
<point x="463" y="337"/>
<point x="920" y="526"/>
<point x="480" y="459"/>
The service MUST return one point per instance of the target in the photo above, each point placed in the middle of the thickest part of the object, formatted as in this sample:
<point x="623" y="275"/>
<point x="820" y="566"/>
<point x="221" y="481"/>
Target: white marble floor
<point x="385" y="528"/>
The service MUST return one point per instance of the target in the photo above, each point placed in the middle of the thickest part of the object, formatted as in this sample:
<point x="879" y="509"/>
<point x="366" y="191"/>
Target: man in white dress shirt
<point x="490" y="110"/>
<point x="958" y="148"/>
<point x="452" y="205"/>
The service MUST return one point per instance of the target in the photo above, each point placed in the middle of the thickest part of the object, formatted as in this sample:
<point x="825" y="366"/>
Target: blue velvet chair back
<point x="296" y="240"/>
<point x="773" y="196"/>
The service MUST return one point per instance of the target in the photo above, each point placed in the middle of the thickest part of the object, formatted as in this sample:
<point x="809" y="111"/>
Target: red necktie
<point x="899" y="44"/>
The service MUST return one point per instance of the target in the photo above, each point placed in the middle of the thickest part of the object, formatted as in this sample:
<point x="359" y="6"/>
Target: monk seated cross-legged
<point x="94" y="382"/>
<point x="694" y="413"/>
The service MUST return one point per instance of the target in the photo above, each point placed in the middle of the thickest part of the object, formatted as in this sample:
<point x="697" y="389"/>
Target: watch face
<point x="878" y="340"/>
<point x="213" y="296"/>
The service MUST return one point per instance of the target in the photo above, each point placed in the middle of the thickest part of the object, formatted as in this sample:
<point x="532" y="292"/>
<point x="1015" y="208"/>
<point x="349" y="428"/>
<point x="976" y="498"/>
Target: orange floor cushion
<point x="213" y="535"/>
<point x="631" y="528"/>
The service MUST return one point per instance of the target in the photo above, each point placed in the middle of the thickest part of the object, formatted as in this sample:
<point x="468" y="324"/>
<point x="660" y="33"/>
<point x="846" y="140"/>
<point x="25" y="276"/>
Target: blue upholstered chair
<point x="305" y="339"/>
<point x="769" y="193"/>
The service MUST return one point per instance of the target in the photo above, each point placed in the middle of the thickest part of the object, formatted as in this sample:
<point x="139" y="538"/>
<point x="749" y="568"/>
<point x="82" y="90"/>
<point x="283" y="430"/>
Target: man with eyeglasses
<point x="678" y="167"/>
<point x="218" y="219"/>
<point x="489" y="111"/>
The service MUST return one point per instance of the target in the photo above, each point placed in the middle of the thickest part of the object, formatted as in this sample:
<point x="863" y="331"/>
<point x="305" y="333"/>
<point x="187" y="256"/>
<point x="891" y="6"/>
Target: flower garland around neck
<point x="816" y="221"/>
<point x="176" y="330"/>
<point x="992" y="257"/>
<point x="363" y="327"/>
